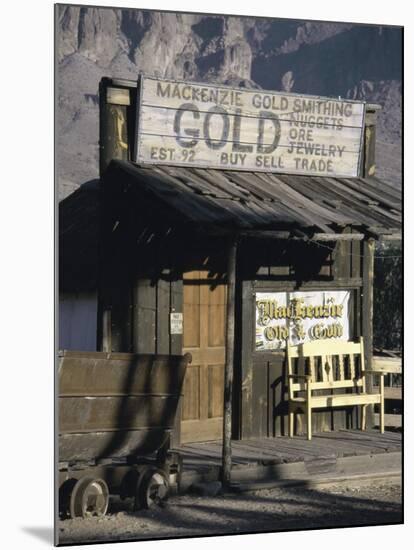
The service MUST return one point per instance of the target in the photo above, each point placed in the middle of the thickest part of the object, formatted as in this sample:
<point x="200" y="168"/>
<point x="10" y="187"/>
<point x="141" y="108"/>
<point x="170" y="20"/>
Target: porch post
<point x="228" y="368"/>
<point x="368" y="313"/>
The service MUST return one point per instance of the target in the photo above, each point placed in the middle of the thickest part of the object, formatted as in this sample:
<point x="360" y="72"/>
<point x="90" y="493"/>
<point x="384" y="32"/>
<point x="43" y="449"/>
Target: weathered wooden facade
<point x="162" y="248"/>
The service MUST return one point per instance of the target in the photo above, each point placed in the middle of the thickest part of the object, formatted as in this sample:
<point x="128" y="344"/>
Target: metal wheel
<point x="152" y="489"/>
<point x="65" y="491"/>
<point x="90" y="497"/>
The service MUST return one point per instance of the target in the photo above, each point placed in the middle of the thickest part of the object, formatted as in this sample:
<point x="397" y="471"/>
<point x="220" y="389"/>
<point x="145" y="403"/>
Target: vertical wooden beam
<point x="144" y="332"/>
<point x="382" y="426"/>
<point x="176" y="347"/>
<point x="113" y="129"/>
<point x="228" y="368"/>
<point x="113" y="143"/>
<point x="246" y="421"/>
<point x="369" y="142"/>
<point x="104" y="325"/>
<point x="368" y="311"/>
<point x="106" y="343"/>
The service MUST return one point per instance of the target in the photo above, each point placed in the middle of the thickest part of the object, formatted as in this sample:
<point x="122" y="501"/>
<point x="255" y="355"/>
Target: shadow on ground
<point x="45" y="534"/>
<point x="264" y="511"/>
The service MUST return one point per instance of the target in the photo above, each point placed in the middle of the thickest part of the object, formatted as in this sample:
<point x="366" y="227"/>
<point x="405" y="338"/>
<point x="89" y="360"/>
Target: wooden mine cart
<point x="115" y="416"/>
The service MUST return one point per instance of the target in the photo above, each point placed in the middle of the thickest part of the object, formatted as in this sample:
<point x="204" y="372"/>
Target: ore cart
<point x="115" y="416"/>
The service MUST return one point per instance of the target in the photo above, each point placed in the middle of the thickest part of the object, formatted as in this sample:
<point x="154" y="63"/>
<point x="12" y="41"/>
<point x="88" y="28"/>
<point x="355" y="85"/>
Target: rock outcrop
<point x="335" y="59"/>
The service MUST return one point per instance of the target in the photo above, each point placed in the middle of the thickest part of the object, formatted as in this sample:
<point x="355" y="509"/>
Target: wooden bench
<point x="325" y="365"/>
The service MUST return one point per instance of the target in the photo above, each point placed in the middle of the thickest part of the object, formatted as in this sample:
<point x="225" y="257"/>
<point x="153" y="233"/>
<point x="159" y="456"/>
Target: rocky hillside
<point x="335" y="59"/>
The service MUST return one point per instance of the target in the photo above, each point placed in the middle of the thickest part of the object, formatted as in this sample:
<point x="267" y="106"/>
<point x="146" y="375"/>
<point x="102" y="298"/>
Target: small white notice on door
<point x="176" y="323"/>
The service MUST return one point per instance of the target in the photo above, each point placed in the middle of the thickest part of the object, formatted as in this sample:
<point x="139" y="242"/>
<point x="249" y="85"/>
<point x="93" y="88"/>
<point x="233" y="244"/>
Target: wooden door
<point x="204" y="337"/>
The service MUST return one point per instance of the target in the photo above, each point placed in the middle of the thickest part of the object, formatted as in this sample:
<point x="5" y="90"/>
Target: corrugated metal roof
<point x="257" y="200"/>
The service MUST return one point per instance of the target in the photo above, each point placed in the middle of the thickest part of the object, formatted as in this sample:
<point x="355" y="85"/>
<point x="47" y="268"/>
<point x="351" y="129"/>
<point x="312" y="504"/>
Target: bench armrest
<point x="303" y="376"/>
<point x="381" y="372"/>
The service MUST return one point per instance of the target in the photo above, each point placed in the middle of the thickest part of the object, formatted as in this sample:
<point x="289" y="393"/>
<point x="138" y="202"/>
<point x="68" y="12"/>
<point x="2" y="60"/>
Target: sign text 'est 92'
<point x="212" y="126"/>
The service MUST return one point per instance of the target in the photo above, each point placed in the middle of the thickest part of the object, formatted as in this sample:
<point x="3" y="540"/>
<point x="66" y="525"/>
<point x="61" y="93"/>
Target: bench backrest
<point x="329" y="364"/>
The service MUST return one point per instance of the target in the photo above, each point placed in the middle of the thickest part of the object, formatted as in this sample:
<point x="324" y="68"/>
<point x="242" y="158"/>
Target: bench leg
<point x="291" y="422"/>
<point x="382" y="404"/>
<point x="308" y="421"/>
<point x="308" y="413"/>
<point x="363" y="417"/>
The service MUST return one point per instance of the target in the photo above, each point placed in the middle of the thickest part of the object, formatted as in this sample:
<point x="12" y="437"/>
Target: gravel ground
<point x="259" y="511"/>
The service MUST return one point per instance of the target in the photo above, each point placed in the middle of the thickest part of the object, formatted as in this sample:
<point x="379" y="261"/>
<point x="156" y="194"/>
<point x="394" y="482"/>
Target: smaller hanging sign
<point x="300" y="317"/>
<point x="176" y="323"/>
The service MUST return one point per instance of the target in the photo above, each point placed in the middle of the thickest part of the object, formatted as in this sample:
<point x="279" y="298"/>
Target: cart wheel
<point x="152" y="489"/>
<point x="90" y="497"/>
<point x="65" y="492"/>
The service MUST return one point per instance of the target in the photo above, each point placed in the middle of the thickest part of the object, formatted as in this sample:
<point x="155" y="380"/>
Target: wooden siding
<point x="78" y="321"/>
<point x="278" y="266"/>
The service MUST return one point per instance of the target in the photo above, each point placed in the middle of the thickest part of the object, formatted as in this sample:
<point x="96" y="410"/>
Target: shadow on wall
<point x="388" y="270"/>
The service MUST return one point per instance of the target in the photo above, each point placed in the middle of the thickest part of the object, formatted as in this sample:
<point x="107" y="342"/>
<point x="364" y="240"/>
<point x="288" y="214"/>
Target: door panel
<point x="204" y="337"/>
<point x="215" y="388"/>
<point x="191" y="405"/>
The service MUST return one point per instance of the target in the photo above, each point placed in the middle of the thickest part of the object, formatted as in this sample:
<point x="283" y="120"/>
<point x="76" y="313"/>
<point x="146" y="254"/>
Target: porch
<point x="328" y="458"/>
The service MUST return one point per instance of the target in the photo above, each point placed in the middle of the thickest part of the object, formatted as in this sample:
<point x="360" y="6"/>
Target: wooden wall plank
<point x="176" y="306"/>
<point x="163" y="316"/>
<point x="176" y="347"/>
<point x="191" y="310"/>
<point x="260" y="395"/>
<point x="217" y="316"/>
<point x="151" y="97"/>
<point x="81" y="415"/>
<point x="121" y="316"/>
<point x="191" y="391"/>
<point x="111" y="375"/>
<point x="277" y="404"/>
<point x="160" y="121"/>
<point x="247" y="320"/>
<point x="144" y="314"/>
<point x="215" y="390"/>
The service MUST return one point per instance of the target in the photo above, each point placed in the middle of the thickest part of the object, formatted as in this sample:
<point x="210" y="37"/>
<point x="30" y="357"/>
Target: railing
<point x="390" y="362"/>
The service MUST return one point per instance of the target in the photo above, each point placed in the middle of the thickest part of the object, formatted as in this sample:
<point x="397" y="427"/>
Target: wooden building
<point x="148" y="249"/>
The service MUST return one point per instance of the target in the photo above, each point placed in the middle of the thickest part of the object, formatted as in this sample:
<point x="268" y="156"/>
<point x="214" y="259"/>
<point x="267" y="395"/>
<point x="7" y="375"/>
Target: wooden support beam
<point x="300" y="235"/>
<point x="390" y="365"/>
<point x="368" y="310"/>
<point x="390" y="420"/>
<point x="117" y="96"/>
<point x="392" y="237"/>
<point x="106" y="344"/>
<point x="338" y="237"/>
<point x="265" y="234"/>
<point x="125" y="82"/>
<point x="228" y="368"/>
<point x="113" y="134"/>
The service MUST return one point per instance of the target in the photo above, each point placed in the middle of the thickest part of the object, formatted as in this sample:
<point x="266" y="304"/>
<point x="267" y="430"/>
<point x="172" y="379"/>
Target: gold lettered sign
<point x="300" y="317"/>
<point x="190" y="124"/>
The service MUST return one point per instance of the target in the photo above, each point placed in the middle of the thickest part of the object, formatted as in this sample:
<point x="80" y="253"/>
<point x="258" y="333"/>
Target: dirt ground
<point x="259" y="511"/>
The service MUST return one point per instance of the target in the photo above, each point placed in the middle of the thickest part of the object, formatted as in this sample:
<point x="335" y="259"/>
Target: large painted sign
<point x="300" y="317"/>
<point x="184" y="123"/>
